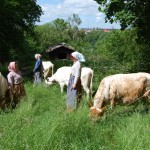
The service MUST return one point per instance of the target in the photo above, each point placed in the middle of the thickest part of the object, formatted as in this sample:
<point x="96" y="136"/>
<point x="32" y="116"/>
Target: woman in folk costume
<point x="15" y="82"/>
<point x="38" y="69"/>
<point x="74" y="86"/>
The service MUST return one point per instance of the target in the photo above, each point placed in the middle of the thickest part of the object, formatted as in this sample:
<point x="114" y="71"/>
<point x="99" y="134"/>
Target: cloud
<point x="87" y="10"/>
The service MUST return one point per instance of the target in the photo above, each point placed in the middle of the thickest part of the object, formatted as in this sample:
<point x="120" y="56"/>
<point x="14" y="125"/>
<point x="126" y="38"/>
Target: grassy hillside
<point x="41" y="122"/>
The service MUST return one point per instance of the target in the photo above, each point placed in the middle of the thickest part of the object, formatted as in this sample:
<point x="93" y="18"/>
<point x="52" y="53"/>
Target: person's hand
<point x="74" y="86"/>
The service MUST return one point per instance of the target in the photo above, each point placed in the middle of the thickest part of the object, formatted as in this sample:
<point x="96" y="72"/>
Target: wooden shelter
<point x="60" y="51"/>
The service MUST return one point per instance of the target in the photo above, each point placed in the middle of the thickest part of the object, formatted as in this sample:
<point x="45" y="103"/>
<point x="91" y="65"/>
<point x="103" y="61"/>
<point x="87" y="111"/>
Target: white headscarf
<point x="78" y="56"/>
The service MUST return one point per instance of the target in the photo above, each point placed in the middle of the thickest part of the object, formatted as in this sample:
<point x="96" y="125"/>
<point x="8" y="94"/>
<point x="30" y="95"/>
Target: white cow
<point x="4" y="92"/>
<point x="62" y="77"/>
<point x="48" y="68"/>
<point x="119" y="88"/>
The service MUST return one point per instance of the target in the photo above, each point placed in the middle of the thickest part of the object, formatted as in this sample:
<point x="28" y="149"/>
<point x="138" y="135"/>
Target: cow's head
<point x="96" y="112"/>
<point x="50" y="81"/>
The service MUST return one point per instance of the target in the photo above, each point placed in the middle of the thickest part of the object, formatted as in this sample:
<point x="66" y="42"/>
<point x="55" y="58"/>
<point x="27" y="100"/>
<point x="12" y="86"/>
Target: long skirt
<point x="73" y="95"/>
<point x="19" y="92"/>
<point x="37" y="78"/>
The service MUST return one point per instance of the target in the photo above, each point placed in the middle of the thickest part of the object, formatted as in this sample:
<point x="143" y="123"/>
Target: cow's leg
<point x="135" y="105"/>
<point x="86" y="89"/>
<point x="145" y="104"/>
<point x="62" y="87"/>
<point x="112" y="103"/>
<point x="2" y="103"/>
<point x="112" y="99"/>
<point x="87" y="93"/>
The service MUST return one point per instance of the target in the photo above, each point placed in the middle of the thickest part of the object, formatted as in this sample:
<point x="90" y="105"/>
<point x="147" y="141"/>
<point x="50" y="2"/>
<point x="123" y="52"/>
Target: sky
<point x="87" y="10"/>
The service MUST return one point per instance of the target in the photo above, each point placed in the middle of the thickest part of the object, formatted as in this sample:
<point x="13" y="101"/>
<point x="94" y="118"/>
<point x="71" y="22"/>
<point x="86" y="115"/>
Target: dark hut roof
<point x="52" y="48"/>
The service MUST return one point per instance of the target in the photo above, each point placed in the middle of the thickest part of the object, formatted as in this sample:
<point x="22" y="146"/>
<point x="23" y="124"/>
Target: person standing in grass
<point x="38" y="69"/>
<point x="15" y="82"/>
<point x="74" y="90"/>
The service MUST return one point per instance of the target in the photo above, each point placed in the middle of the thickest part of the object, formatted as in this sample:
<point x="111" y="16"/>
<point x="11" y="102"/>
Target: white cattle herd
<point x="114" y="89"/>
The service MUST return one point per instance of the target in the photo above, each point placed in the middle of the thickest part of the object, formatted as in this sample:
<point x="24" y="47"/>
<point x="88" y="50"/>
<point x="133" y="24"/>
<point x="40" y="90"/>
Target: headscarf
<point x="37" y="56"/>
<point x="12" y="66"/>
<point x="78" y="56"/>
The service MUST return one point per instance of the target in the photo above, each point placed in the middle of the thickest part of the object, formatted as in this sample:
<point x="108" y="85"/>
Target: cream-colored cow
<point x="4" y="92"/>
<point x="119" y="88"/>
<point x="48" y="68"/>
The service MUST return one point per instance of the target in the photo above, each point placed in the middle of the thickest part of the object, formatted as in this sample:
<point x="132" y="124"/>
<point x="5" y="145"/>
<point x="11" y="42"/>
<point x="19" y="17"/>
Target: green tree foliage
<point x="46" y="35"/>
<point x="49" y="35"/>
<point x="94" y="35"/>
<point x="17" y="18"/>
<point x="122" y="47"/>
<point x="130" y="13"/>
<point x="60" y="31"/>
<point x="74" y="21"/>
<point x="60" y="24"/>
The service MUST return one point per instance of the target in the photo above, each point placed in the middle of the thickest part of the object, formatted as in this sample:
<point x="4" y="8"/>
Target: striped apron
<point x="73" y="95"/>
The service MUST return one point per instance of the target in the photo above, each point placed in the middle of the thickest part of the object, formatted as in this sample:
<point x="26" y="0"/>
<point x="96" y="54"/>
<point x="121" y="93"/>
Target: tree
<point x="17" y="18"/>
<point x="121" y="46"/>
<point x="73" y="22"/>
<point x="130" y="13"/>
<point x="95" y="35"/>
<point x="60" y="31"/>
<point x="47" y="35"/>
<point x="60" y="24"/>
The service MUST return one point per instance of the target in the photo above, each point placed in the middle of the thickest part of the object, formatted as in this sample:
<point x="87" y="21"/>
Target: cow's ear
<point x="90" y="104"/>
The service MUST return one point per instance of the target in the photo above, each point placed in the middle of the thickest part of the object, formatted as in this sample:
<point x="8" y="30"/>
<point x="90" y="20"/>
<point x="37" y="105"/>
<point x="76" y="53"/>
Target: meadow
<point x="41" y="122"/>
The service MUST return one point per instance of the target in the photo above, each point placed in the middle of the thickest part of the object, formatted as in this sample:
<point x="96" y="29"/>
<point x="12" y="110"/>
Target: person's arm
<point x="37" y="64"/>
<point x="77" y="74"/>
<point x="10" y="79"/>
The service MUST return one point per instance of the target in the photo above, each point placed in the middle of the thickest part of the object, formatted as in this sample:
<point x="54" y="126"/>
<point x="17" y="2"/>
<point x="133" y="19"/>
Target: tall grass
<point x="41" y="122"/>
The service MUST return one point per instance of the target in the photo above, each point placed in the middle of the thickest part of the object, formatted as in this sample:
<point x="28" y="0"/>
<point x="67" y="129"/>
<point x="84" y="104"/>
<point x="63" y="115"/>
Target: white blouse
<point x="76" y="71"/>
